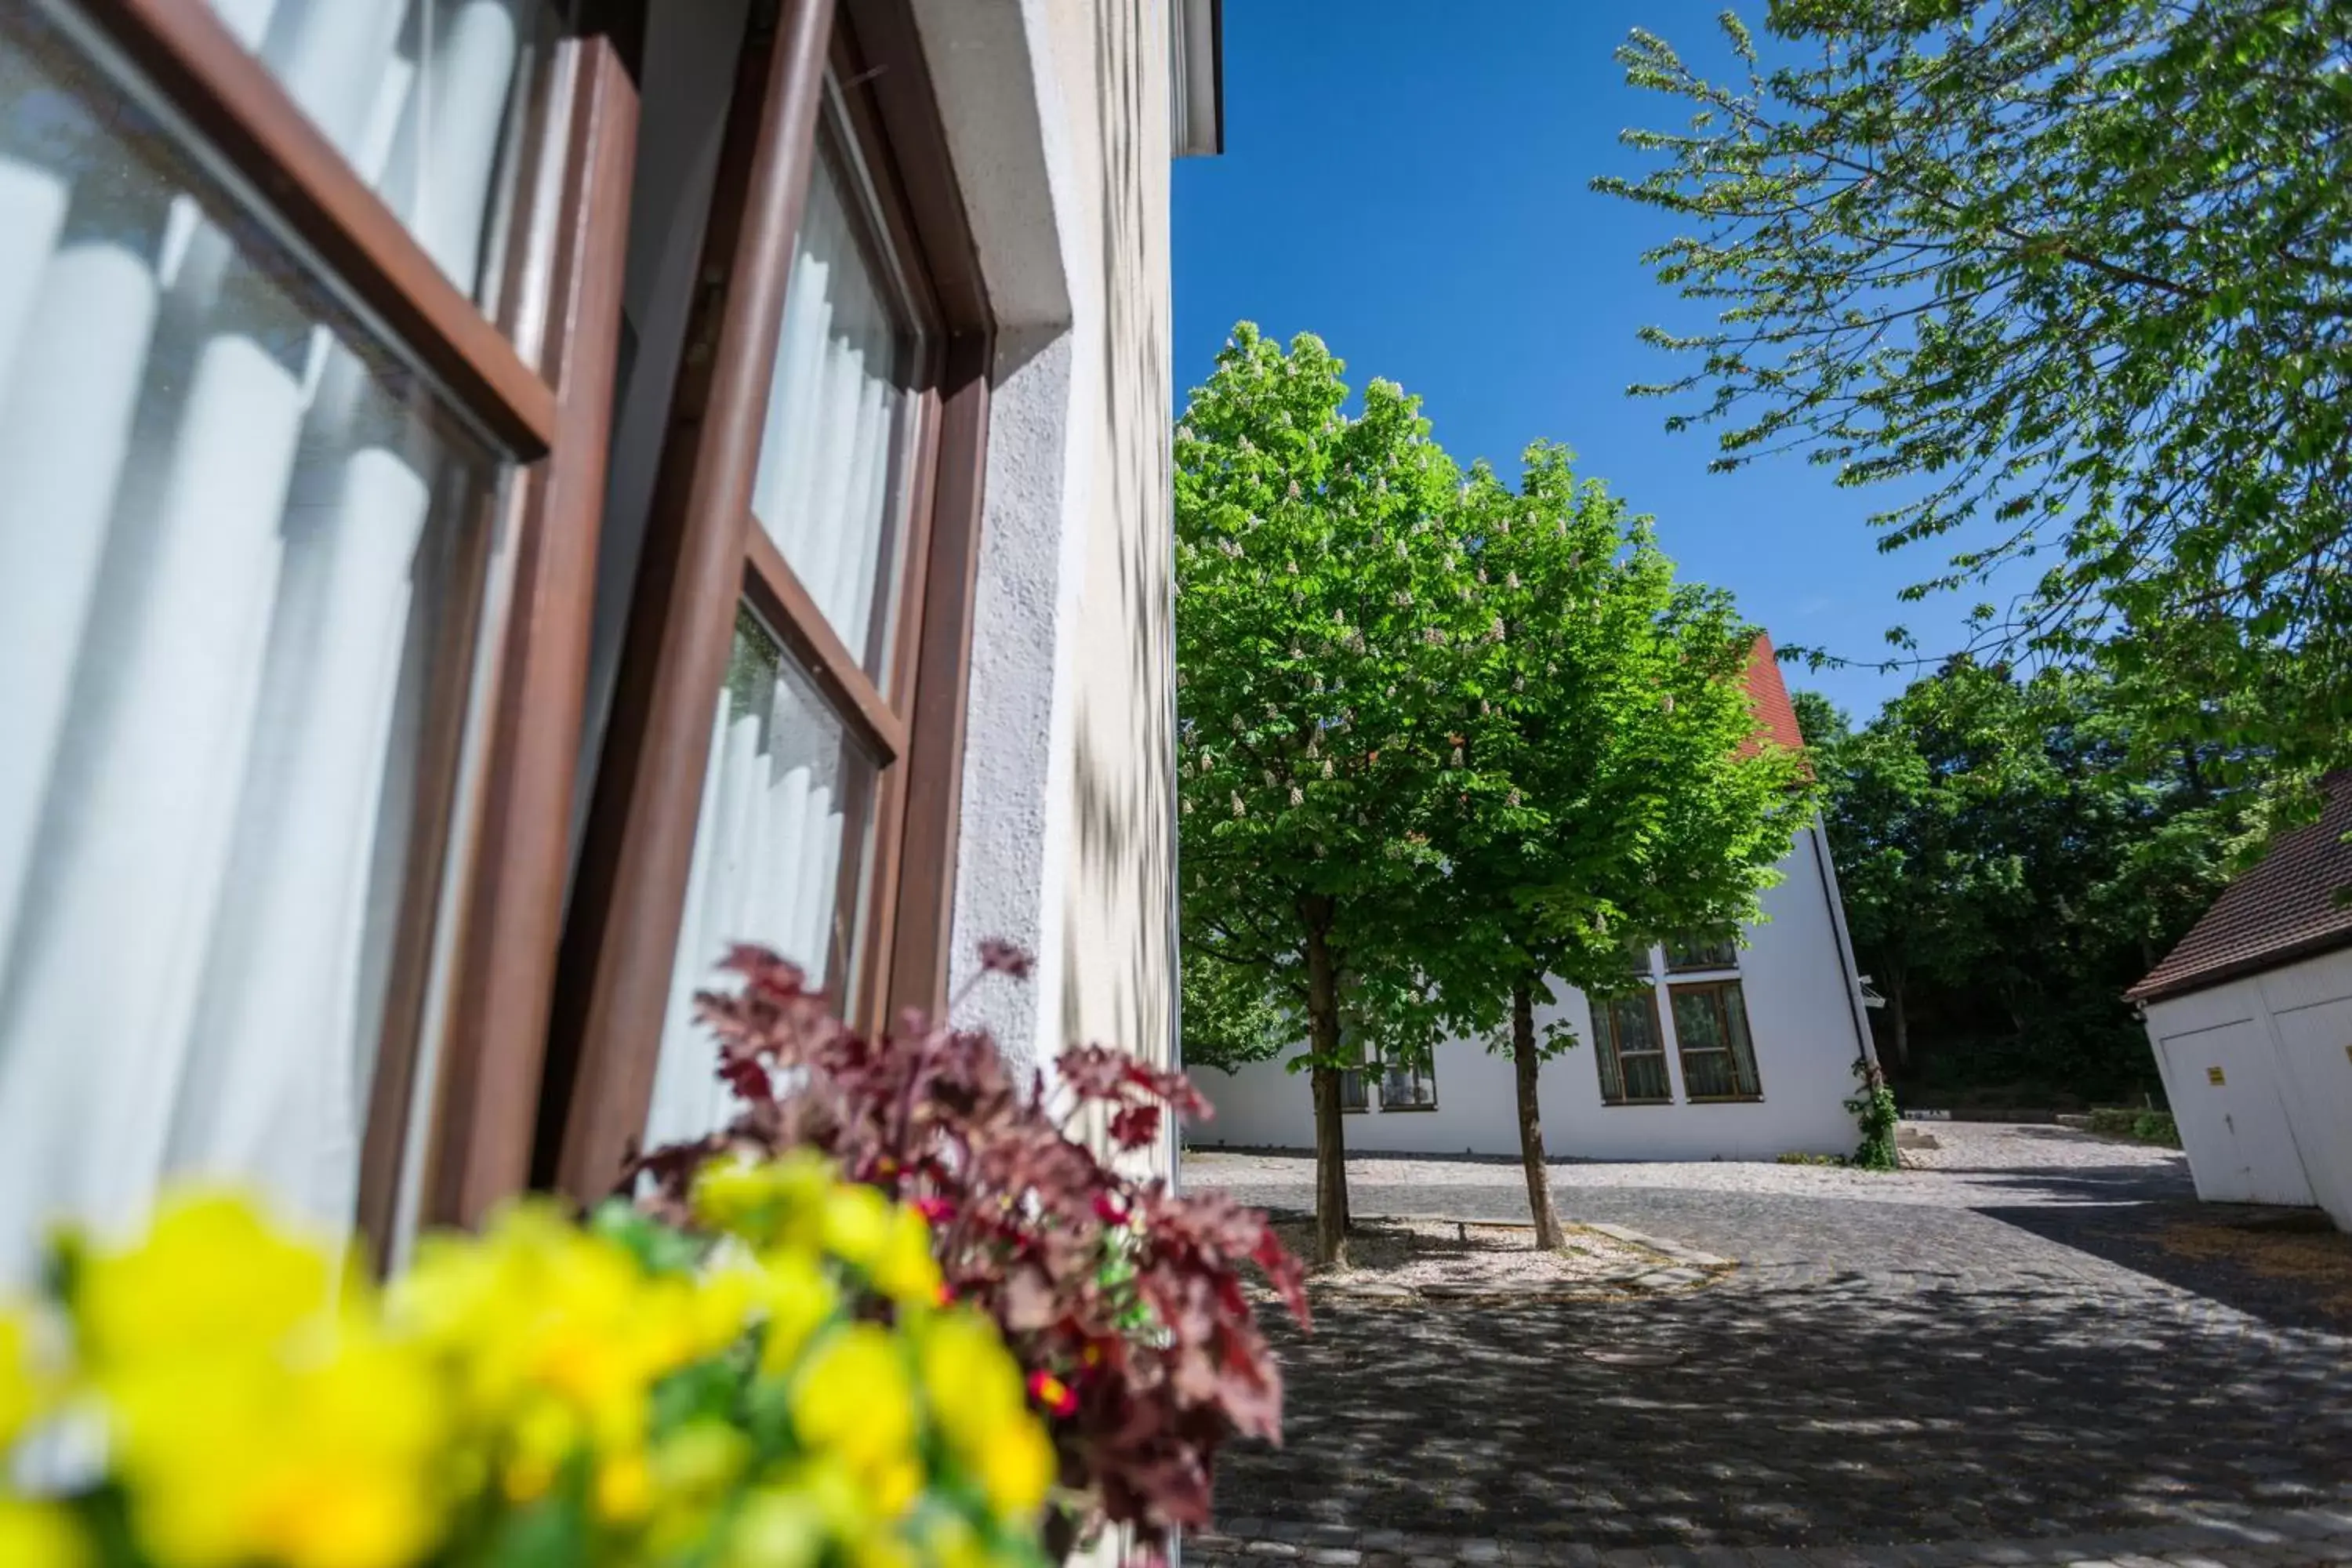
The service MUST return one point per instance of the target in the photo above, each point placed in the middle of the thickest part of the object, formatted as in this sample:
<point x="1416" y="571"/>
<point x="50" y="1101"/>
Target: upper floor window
<point x="1697" y="950"/>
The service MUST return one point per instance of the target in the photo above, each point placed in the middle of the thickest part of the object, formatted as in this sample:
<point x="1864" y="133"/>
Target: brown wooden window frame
<point x="706" y="554"/>
<point x="481" y="894"/>
<point x="1606" y="1039"/>
<point x="1718" y="989"/>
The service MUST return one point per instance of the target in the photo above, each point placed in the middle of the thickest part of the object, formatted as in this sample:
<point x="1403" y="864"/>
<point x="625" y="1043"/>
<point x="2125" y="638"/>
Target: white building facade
<point x="1730" y="1052"/>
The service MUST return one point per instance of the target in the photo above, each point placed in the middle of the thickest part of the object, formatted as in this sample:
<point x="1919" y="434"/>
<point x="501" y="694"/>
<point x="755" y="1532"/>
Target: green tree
<point x="1609" y="790"/>
<point x="2075" y="277"/>
<point x="1325" y="612"/>
<point x="2009" y="869"/>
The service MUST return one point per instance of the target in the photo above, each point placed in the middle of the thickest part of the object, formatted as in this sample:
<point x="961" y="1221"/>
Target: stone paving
<point x="1972" y="1362"/>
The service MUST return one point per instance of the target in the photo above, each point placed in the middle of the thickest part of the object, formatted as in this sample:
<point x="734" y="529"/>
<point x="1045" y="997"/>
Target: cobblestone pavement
<point x="1930" y="1367"/>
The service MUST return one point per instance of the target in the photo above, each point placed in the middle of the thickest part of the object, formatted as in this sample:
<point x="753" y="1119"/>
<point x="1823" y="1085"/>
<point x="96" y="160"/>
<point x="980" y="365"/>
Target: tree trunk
<point x="1330" y="1170"/>
<point x="1549" y="1234"/>
<point x="1902" y="1024"/>
<point x="1330" y="1135"/>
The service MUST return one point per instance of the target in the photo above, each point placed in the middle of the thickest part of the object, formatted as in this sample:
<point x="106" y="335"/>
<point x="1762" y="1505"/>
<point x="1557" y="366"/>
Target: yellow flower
<point x="904" y="1270"/>
<point x="857" y="1223"/>
<point x="41" y="1535"/>
<point x="764" y="1200"/>
<point x="973" y="1387"/>
<point x="538" y="1309"/>
<point x="1017" y="1470"/>
<point x="798" y="1300"/>
<point x="854" y="1398"/>
<point x="22" y="1397"/>
<point x="326" y="1465"/>
<point x="212" y="1277"/>
<point x="625" y="1489"/>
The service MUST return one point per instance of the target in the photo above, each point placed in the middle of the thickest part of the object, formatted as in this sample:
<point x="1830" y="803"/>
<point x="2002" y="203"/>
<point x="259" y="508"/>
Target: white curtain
<point x="221" y="530"/>
<point x="766" y="868"/>
<point x="838" y="413"/>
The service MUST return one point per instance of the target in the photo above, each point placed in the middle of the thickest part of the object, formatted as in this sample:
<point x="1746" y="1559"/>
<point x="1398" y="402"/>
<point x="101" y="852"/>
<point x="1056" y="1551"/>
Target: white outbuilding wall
<point x="2259" y="1072"/>
<point x="1804" y="1013"/>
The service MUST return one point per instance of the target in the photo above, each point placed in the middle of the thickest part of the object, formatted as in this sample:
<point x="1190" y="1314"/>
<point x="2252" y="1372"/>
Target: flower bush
<point x="547" y="1393"/>
<point x="1126" y="1303"/>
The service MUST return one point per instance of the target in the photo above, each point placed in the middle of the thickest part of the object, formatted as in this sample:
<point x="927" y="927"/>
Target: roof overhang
<point x="2198" y="980"/>
<point x="1196" y="85"/>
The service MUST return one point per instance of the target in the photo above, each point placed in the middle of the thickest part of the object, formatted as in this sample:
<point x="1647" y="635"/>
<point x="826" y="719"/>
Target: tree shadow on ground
<point x="2131" y="1235"/>
<point x="1838" y="1412"/>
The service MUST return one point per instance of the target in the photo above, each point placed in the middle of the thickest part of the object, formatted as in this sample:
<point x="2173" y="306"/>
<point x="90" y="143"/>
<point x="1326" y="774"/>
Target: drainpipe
<point x="1827" y="872"/>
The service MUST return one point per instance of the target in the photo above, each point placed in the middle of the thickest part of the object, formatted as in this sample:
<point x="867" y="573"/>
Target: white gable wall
<point x="2277" y="1127"/>
<point x="1799" y="995"/>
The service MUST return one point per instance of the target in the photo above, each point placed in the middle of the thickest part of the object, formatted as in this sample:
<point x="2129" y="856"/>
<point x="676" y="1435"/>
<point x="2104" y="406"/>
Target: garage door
<point x="2224" y="1092"/>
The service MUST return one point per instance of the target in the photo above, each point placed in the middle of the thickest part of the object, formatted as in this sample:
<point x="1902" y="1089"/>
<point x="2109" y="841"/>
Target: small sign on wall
<point x="2213" y="1077"/>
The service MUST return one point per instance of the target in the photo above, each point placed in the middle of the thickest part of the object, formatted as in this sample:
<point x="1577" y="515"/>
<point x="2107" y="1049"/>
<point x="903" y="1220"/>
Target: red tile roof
<point x="1776" y="717"/>
<point x="2281" y="910"/>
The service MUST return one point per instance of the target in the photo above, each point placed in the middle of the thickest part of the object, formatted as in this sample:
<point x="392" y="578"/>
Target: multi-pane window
<point x="1718" y="1059"/>
<point x="310" y="313"/>
<point x="1631" y="1049"/>
<point x="1405" y="1087"/>
<point x="1702" y="951"/>
<point x="247" y="549"/>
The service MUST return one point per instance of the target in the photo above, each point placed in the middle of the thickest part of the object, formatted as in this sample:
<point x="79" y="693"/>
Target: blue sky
<point x="1410" y="181"/>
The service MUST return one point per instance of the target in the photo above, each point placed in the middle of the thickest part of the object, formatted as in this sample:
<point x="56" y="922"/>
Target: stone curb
<point x="2276" y="1539"/>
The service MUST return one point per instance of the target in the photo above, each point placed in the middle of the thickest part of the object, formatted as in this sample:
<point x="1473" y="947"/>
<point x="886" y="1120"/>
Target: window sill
<point x="1622" y="1104"/>
<point x="1404" y="1109"/>
<point x="1725" y="1099"/>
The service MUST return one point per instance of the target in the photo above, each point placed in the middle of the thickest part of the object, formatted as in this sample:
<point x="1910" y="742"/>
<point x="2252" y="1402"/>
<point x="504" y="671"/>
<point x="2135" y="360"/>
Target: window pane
<point x="238" y="548"/>
<point x="1408" y="1089"/>
<point x="1645" y="1077"/>
<point x="1743" y="1051"/>
<point x="832" y="484"/>
<point x="1634" y="1022"/>
<point x="1354" y="1090"/>
<point x="1707" y="1075"/>
<point x="1698" y="1023"/>
<point x="426" y="100"/>
<point x="780" y="855"/>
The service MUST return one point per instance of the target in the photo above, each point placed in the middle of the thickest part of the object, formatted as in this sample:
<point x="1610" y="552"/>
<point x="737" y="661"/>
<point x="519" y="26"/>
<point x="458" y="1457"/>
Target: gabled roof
<point x="1776" y="716"/>
<point x="2281" y="910"/>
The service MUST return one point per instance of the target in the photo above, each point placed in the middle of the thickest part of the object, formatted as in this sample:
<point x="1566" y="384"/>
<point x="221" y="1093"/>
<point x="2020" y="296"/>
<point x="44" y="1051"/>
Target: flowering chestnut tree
<point x="1326" y="609"/>
<point x="1618" y="791"/>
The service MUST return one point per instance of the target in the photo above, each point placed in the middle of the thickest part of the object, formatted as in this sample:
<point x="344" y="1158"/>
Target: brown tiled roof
<point x="1776" y="717"/>
<point x="2284" y="908"/>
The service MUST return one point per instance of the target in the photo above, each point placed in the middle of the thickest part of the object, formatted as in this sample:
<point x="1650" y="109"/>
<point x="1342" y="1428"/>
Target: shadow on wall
<point x="1116" y="983"/>
<point x="1830" y="1412"/>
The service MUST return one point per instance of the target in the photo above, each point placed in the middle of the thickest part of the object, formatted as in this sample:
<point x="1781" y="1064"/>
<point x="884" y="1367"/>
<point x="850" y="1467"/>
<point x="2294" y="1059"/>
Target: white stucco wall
<point x="1801" y="1011"/>
<point x="1057" y="118"/>
<point x="2278" y="1128"/>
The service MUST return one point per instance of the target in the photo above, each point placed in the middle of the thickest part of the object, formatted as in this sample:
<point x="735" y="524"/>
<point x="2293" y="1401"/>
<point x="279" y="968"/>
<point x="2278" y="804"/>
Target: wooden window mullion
<point x="614" y="979"/>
